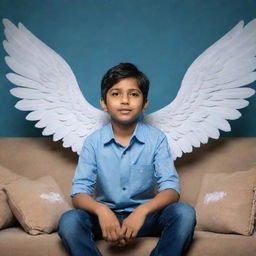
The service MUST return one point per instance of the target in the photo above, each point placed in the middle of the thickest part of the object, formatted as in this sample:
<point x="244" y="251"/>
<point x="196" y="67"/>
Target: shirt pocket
<point x="142" y="178"/>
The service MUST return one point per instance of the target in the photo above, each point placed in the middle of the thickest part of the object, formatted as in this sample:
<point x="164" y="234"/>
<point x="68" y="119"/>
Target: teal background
<point x="161" y="37"/>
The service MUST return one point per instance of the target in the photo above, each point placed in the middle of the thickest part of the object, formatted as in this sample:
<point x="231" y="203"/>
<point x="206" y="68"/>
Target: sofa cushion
<point x="50" y="244"/>
<point x="204" y="243"/>
<point x="6" y="217"/>
<point x="216" y="244"/>
<point x="37" y="204"/>
<point x="14" y="241"/>
<point x="226" y="202"/>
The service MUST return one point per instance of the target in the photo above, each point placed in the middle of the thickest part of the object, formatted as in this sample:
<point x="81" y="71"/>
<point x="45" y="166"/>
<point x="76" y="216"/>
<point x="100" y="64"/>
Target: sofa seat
<point x="216" y="244"/>
<point x="13" y="240"/>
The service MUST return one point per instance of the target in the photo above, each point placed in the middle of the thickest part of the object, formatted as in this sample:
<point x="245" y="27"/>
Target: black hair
<point x="122" y="71"/>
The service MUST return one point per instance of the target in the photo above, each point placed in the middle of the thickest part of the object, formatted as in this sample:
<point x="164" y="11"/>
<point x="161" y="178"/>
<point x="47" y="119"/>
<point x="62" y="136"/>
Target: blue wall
<point x="161" y="37"/>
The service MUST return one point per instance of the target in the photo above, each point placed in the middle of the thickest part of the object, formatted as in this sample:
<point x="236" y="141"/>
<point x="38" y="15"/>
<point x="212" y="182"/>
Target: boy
<point x="125" y="159"/>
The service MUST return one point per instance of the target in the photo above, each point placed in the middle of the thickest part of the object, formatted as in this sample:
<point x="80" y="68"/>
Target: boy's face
<point x="124" y="101"/>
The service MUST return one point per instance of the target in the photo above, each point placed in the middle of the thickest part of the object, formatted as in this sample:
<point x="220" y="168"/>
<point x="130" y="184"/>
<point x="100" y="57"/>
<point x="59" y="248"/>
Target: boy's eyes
<point x="114" y="93"/>
<point x="133" y="94"/>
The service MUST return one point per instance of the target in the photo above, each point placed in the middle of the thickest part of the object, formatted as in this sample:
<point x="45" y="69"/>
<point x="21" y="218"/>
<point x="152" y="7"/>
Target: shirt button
<point x="124" y="152"/>
<point x="124" y="188"/>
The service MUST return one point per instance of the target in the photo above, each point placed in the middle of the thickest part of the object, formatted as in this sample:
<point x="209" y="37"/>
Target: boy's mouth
<point x="125" y="111"/>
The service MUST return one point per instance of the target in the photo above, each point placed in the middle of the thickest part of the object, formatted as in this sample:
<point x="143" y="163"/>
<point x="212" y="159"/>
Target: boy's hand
<point x="133" y="223"/>
<point x="110" y="226"/>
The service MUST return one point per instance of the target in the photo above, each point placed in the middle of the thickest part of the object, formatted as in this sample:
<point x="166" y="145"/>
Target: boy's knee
<point x="184" y="213"/>
<point x="66" y="222"/>
<point x="187" y="211"/>
<point x="187" y="216"/>
<point x="70" y="222"/>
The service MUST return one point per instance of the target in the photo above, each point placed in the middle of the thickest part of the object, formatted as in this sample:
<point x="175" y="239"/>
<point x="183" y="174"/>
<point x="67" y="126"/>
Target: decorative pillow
<point x="227" y="202"/>
<point x="37" y="204"/>
<point x="6" y="217"/>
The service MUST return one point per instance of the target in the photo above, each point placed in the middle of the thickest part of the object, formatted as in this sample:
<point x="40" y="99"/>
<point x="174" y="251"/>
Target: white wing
<point x="211" y="91"/>
<point x="48" y="88"/>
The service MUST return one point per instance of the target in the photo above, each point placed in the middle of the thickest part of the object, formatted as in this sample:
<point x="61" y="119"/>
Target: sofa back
<point x="37" y="157"/>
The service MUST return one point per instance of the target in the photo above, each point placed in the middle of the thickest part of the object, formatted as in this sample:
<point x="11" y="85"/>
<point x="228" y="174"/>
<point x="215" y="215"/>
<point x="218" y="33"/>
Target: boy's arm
<point x="133" y="223"/>
<point x="161" y="200"/>
<point x="108" y="221"/>
<point x="168" y="190"/>
<point x="82" y="191"/>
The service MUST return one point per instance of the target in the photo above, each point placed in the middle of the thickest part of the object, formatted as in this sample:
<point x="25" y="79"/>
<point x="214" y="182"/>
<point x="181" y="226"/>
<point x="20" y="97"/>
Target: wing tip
<point x="251" y="92"/>
<point x="12" y="92"/>
<point x="17" y="106"/>
<point x="20" y="25"/>
<point x="241" y="23"/>
<point x="8" y="75"/>
<point x="6" y="21"/>
<point x="31" y="117"/>
<point x="7" y="60"/>
<point x="5" y="43"/>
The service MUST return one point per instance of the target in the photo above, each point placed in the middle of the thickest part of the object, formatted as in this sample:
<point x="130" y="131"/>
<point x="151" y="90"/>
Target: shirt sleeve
<point x="86" y="171"/>
<point x="165" y="171"/>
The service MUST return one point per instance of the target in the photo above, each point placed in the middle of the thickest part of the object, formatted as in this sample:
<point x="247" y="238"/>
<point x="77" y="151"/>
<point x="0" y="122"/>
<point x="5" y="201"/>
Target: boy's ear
<point x="145" y="106"/>
<point x="103" y="105"/>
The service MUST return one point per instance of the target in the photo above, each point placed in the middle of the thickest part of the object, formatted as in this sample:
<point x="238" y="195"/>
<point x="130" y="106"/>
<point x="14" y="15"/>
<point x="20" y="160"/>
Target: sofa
<point x="36" y="157"/>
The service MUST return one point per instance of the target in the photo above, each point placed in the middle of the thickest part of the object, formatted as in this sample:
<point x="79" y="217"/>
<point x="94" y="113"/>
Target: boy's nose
<point x="125" y="99"/>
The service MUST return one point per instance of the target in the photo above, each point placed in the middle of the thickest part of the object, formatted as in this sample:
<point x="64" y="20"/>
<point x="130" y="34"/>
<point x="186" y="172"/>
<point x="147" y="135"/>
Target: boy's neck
<point x="123" y="132"/>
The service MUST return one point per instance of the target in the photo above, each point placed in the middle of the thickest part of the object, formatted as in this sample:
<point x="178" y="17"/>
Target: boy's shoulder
<point x="152" y="131"/>
<point x="96" y="135"/>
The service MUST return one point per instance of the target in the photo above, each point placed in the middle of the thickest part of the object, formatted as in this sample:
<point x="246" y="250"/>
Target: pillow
<point x="7" y="219"/>
<point x="37" y="204"/>
<point x="227" y="202"/>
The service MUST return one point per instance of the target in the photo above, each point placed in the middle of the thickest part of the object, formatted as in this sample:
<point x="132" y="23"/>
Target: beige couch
<point x="35" y="157"/>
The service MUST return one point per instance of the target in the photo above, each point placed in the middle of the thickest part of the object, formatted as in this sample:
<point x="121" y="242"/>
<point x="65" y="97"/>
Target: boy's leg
<point x="78" y="229"/>
<point x="175" y="225"/>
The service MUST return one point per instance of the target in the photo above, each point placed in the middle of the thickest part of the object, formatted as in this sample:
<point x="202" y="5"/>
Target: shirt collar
<point x="107" y="133"/>
<point x="139" y="133"/>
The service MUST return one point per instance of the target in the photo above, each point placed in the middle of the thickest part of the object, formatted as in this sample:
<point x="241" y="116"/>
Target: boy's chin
<point x="140" y="117"/>
<point x="125" y="122"/>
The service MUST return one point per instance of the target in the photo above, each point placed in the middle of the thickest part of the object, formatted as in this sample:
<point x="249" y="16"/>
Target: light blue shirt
<point x="125" y="177"/>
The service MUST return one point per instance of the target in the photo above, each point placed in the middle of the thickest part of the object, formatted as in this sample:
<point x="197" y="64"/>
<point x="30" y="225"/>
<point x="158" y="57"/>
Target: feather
<point x="212" y="90"/>
<point x="48" y="89"/>
<point x="22" y="81"/>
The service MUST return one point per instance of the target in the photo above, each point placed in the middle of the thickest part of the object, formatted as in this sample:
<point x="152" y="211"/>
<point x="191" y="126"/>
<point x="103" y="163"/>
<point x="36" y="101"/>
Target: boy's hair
<point x="122" y="71"/>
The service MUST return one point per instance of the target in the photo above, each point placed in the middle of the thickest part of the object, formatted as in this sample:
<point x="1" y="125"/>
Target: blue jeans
<point x="174" y="225"/>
